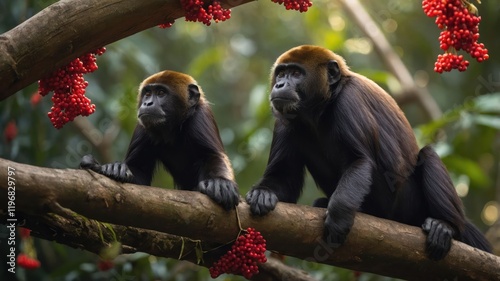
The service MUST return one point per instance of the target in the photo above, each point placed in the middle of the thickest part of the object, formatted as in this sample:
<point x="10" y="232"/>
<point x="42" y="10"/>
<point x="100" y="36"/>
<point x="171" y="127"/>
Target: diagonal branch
<point x="374" y="245"/>
<point x="69" y="28"/>
<point x="385" y="51"/>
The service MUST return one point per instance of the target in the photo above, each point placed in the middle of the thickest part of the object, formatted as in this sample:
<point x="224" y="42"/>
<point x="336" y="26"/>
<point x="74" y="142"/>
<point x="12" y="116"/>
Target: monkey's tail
<point x="473" y="236"/>
<point x="443" y="201"/>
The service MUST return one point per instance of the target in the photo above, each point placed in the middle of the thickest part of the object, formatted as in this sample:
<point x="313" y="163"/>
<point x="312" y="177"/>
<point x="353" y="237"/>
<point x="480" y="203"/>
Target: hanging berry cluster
<point x="298" y="5"/>
<point x="27" y="258"/>
<point x="247" y="251"/>
<point x="10" y="131"/>
<point x="205" y="11"/>
<point x="68" y="86"/>
<point x="27" y="262"/>
<point x="460" y="28"/>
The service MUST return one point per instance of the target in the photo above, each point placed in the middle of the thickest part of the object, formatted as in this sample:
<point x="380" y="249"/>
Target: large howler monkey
<point x="359" y="148"/>
<point x="176" y="128"/>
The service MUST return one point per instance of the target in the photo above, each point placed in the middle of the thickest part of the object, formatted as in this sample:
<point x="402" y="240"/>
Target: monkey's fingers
<point x="334" y="234"/>
<point x="112" y="170"/>
<point x="229" y="194"/>
<point x="88" y="162"/>
<point x="262" y="200"/>
<point x="124" y="173"/>
<point x="221" y="191"/>
<point x="439" y="237"/>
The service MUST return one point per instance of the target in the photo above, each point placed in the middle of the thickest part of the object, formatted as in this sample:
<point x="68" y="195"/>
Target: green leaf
<point x="488" y="103"/>
<point x="487" y="120"/>
<point x="466" y="166"/>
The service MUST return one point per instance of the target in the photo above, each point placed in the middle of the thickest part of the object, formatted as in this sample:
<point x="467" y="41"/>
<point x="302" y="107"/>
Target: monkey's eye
<point x="161" y="93"/>
<point x="296" y="73"/>
<point x="147" y="93"/>
<point x="280" y="74"/>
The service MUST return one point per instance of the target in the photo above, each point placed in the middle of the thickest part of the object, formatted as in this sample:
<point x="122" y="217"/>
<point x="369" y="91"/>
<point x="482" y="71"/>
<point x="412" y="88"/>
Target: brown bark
<point x="81" y="233"/>
<point x="374" y="245"/>
<point x="69" y="28"/>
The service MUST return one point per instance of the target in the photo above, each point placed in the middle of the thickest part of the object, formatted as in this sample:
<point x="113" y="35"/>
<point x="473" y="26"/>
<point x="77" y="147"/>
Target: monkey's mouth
<point x="151" y="119"/>
<point x="284" y="105"/>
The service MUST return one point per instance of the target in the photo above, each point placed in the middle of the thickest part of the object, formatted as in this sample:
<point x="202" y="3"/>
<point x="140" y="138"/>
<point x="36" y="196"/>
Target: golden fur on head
<point x="312" y="57"/>
<point x="178" y="82"/>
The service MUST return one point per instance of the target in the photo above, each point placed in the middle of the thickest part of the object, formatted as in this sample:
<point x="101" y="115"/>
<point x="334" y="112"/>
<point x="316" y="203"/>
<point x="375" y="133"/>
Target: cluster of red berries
<point x="68" y="86"/>
<point x="461" y="32"/>
<point x="247" y="251"/>
<point x="448" y="61"/>
<point x="298" y="5"/>
<point x="10" y="131"/>
<point x="166" y="25"/>
<point x="24" y="232"/>
<point x="205" y="11"/>
<point x="105" y="265"/>
<point x="27" y="262"/>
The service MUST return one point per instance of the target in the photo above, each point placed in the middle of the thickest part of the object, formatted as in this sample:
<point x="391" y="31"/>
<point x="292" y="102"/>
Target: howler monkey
<point x="177" y="129"/>
<point x="361" y="151"/>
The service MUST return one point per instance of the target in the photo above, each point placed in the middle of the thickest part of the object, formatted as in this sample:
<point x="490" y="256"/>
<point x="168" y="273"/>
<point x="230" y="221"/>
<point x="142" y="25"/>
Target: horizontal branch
<point x="69" y="28"/>
<point x="374" y="245"/>
<point x="81" y="233"/>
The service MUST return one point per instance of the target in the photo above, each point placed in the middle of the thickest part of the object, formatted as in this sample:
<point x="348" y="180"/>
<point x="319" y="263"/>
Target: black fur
<point x="359" y="148"/>
<point x="177" y="129"/>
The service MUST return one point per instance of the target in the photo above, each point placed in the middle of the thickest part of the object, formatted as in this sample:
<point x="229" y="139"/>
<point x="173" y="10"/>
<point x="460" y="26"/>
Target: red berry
<point x="461" y="32"/>
<point x="105" y="265"/>
<point x="24" y="232"/>
<point x="205" y="11"/>
<point x="27" y="262"/>
<point x="246" y="253"/>
<point x="298" y="5"/>
<point x="68" y="86"/>
<point x="35" y="99"/>
<point x="10" y="132"/>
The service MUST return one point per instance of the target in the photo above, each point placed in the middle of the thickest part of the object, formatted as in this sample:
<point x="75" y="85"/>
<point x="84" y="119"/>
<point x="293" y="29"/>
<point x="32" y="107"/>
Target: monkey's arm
<point x="216" y="179"/>
<point x="138" y="166"/>
<point x="357" y="133"/>
<point x="284" y="175"/>
<point x="141" y="157"/>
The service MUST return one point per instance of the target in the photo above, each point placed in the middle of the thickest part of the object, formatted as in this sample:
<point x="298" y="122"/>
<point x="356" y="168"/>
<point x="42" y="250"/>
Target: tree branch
<point x="392" y="60"/>
<point x="82" y="233"/>
<point x="374" y="245"/>
<point x="39" y="45"/>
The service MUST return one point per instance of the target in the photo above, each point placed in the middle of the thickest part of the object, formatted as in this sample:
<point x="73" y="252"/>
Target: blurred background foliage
<point x="231" y="61"/>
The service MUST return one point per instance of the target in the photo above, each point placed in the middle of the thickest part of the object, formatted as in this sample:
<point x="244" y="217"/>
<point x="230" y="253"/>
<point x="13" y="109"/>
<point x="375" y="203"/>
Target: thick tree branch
<point x="374" y="245"/>
<point x="70" y="28"/>
<point x="82" y="233"/>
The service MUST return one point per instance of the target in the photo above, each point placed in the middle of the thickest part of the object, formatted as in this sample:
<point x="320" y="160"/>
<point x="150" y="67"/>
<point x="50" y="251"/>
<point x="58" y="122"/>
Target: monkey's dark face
<point x="158" y="106"/>
<point x="287" y="79"/>
<point x="304" y="78"/>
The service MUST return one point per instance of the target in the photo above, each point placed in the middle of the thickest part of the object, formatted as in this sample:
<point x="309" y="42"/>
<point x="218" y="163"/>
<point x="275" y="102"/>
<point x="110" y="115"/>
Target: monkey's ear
<point x="334" y="74"/>
<point x="193" y="94"/>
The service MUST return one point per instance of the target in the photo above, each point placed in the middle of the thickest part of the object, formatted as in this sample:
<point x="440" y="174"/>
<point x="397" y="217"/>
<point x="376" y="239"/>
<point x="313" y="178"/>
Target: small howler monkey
<point x="361" y="151"/>
<point x="176" y="128"/>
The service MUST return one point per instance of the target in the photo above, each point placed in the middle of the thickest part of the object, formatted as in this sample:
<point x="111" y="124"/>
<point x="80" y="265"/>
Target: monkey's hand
<point x="222" y="191"/>
<point x="262" y="200"/>
<point x="89" y="162"/>
<point x="337" y="226"/>
<point x="117" y="171"/>
<point x="439" y="236"/>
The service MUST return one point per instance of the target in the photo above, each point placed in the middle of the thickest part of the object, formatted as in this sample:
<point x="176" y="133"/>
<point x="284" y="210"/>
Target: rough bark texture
<point x="374" y="245"/>
<point x="62" y="32"/>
